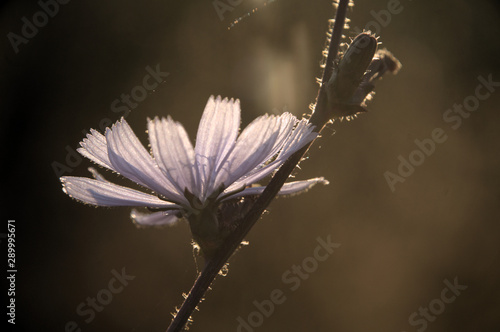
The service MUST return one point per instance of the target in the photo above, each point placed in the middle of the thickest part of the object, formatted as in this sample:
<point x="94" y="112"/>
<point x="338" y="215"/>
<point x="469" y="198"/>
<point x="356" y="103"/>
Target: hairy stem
<point x="333" y="48"/>
<point x="215" y="264"/>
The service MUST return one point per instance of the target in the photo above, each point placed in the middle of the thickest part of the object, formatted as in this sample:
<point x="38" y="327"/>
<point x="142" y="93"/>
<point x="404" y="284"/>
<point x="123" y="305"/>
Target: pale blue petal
<point x="129" y="157"/>
<point x="215" y="139"/>
<point x="301" y="135"/>
<point x="173" y="152"/>
<point x="95" y="148"/>
<point x="103" y="193"/>
<point x="161" y="218"/>
<point x="299" y="187"/>
<point x="96" y="174"/>
<point x="290" y="188"/>
<point x="287" y="122"/>
<point x="251" y="150"/>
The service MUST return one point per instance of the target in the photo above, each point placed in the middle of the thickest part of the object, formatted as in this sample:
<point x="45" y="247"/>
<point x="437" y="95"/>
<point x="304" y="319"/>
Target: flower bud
<point x="352" y="66"/>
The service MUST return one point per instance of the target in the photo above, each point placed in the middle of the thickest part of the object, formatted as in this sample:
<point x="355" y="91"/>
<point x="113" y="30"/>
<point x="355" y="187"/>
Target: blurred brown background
<point x="397" y="247"/>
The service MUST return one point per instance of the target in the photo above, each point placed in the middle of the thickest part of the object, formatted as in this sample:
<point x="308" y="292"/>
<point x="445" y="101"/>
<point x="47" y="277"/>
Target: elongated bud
<point x="351" y="68"/>
<point x="352" y="81"/>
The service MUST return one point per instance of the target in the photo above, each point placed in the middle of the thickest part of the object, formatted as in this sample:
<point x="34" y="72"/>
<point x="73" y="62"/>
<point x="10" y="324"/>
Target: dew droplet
<point x="253" y="11"/>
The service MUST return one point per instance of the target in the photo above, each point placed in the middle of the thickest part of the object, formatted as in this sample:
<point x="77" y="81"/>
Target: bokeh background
<point x="397" y="247"/>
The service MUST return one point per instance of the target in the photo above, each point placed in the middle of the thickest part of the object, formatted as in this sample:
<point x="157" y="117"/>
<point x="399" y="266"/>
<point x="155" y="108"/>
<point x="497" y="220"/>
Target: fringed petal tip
<point x="218" y="100"/>
<point x="155" y="219"/>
